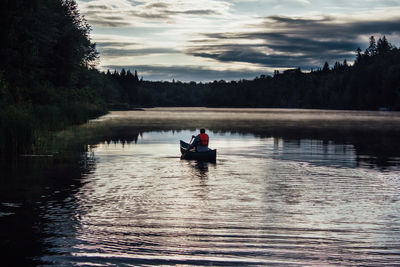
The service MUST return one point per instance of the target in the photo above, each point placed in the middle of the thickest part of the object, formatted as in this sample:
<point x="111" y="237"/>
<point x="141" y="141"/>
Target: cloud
<point x="196" y="12"/>
<point x="114" y="44"/>
<point x="234" y="34"/>
<point x="118" y="52"/>
<point x="104" y="22"/>
<point x="292" y="42"/>
<point x="186" y="73"/>
<point x="99" y="12"/>
<point x="304" y="2"/>
<point x="158" y="5"/>
<point x="167" y="14"/>
<point x="97" y="19"/>
<point x="329" y="26"/>
<point x="97" y="7"/>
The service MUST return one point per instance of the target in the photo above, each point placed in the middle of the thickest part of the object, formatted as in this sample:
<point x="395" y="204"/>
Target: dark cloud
<point x="112" y="44"/>
<point x="196" y="12"/>
<point x="329" y="27"/>
<point x="118" y="52"/>
<point x="112" y="18"/>
<point x="151" y="14"/>
<point x="97" y="7"/>
<point x="288" y="21"/>
<point x="105" y="20"/>
<point x="106" y="16"/>
<point x="163" y="14"/>
<point x="186" y="73"/>
<point x="255" y="57"/>
<point x="292" y="42"/>
<point x="108" y="23"/>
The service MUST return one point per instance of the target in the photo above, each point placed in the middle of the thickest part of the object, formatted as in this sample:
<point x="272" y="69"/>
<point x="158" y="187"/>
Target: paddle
<point x="187" y="149"/>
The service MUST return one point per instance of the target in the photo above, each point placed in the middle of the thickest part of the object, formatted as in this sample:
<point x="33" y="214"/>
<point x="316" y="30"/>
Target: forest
<point x="371" y="83"/>
<point x="49" y="79"/>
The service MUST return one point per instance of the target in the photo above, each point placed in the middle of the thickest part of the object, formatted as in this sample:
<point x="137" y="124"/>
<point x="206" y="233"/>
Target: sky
<point x="206" y="40"/>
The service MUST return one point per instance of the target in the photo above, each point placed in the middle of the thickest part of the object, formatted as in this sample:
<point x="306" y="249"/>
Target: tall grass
<point x="17" y="130"/>
<point x="26" y="129"/>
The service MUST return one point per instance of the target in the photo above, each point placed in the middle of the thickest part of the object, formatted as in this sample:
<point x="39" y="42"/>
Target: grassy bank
<point x="26" y="129"/>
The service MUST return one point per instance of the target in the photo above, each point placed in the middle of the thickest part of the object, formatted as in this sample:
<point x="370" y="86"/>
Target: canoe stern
<point x="209" y="156"/>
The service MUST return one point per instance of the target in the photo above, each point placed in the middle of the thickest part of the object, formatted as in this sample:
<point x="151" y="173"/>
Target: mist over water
<point x="288" y="188"/>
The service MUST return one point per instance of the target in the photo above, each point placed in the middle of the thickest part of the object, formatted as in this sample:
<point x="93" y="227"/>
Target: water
<point x="282" y="192"/>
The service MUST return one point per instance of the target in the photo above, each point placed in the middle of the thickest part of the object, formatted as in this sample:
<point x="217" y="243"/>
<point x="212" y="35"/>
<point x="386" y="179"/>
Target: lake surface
<point x="290" y="187"/>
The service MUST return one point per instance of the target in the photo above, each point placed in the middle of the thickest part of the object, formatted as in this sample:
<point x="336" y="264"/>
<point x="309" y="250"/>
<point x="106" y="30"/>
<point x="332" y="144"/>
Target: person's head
<point x="202" y="130"/>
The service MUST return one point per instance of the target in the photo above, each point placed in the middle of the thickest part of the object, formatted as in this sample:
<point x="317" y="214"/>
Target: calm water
<point x="288" y="188"/>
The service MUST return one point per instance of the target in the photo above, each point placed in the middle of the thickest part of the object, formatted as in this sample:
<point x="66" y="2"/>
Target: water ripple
<point x="262" y="203"/>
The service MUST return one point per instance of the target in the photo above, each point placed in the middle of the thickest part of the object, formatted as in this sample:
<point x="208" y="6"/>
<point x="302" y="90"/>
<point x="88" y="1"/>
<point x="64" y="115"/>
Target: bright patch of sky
<point x="217" y="39"/>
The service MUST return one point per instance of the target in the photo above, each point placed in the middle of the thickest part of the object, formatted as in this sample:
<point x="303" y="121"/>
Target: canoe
<point x="209" y="156"/>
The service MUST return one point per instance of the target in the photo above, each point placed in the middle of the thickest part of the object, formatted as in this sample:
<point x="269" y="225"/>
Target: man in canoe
<point x="200" y="141"/>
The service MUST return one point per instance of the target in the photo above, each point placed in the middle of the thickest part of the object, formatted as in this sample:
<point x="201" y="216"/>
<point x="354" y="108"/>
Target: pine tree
<point x="122" y="74"/>
<point x="371" y="50"/>
<point x="383" y="46"/>
<point x="325" y="68"/>
<point x="337" y="65"/>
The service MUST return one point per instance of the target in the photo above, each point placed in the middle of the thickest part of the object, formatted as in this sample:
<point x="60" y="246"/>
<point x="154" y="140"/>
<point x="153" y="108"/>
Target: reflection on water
<point x="266" y="201"/>
<point x="316" y="152"/>
<point x="280" y="193"/>
<point x="200" y="168"/>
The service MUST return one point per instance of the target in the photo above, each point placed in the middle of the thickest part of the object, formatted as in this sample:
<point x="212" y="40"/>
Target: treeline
<point x="371" y="83"/>
<point x="124" y="93"/>
<point x="48" y="78"/>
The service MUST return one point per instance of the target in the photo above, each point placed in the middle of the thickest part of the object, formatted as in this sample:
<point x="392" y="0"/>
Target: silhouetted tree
<point x="383" y="47"/>
<point x="371" y="50"/>
<point x="325" y="68"/>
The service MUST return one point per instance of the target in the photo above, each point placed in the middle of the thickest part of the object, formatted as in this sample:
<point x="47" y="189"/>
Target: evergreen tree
<point x="371" y="50"/>
<point x="383" y="46"/>
<point x="325" y="68"/>
<point x="359" y="55"/>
